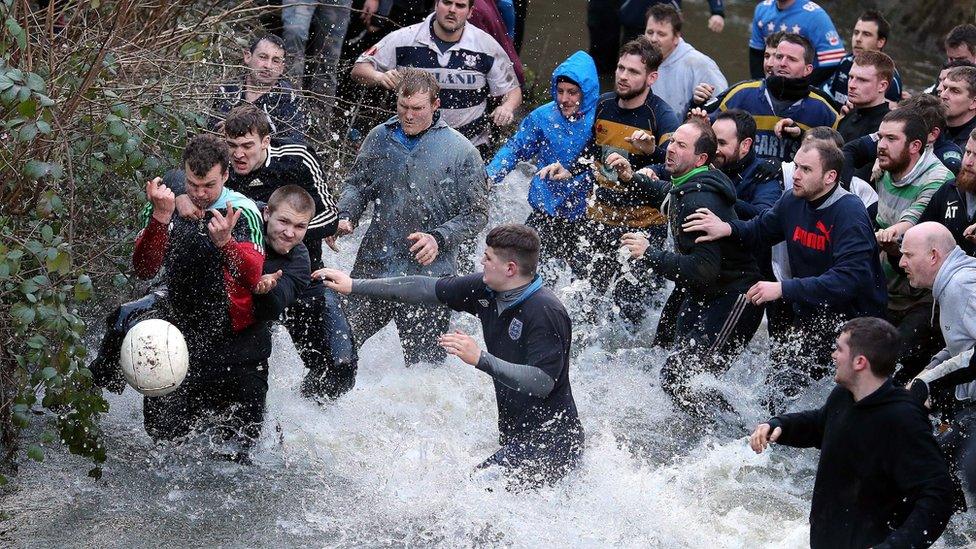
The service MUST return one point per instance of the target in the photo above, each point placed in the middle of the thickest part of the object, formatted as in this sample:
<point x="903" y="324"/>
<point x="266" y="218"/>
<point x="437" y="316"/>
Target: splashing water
<point x="390" y="464"/>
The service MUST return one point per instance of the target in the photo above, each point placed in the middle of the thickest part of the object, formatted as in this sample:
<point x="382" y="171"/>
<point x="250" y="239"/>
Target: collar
<point x="880" y="108"/>
<point x="681" y="179"/>
<point x="820" y="201"/>
<point x="511" y="298"/>
<point x="425" y="34"/>
<point x="740" y="165"/>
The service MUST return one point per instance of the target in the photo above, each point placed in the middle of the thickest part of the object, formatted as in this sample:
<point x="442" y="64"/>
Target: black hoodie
<point x="881" y="480"/>
<point x="708" y="268"/>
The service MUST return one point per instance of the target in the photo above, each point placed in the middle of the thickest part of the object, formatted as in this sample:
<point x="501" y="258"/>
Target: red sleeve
<point x="150" y="249"/>
<point x="243" y="262"/>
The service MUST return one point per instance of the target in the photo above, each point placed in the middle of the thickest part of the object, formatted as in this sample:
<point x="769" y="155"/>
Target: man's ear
<point x="652" y="78"/>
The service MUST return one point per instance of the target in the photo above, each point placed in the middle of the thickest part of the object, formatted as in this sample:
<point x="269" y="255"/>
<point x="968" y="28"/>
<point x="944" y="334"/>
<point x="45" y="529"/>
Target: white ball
<point x="154" y="357"/>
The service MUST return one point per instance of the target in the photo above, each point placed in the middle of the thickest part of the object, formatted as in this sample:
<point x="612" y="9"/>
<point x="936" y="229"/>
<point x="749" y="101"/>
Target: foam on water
<point x="390" y="463"/>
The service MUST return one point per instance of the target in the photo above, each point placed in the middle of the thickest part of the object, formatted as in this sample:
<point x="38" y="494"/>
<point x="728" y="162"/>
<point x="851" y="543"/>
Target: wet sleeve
<point x="463" y="293"/>
<point x="501" y="76"/>
<point x="151" y="244"/>
<point x="472" y="183"/>
<point x="382" y="55"/>
<point x="521" y="147"/>
<point x="523" y="378"/>
<point x="358" y="189"/>
<point x="920" y="475"/>
<point x="419" y="290"/>
<point x="764" y="230"/>
<point x="805" y="429"/>
<point x="312" y="179"/>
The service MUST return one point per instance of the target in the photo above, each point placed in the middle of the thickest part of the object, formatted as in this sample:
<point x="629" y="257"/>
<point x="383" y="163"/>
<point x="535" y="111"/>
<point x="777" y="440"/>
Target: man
<point x="633" y="122"/>
<point x="528" y="336"/>
<point x="910" y="175"/>
<point x="868" y="80"/>
<point x="327" y="21"/>
<point x="881" y="480"/>
<point x="605" y="18"/>
<point x="429" y="193"/>
<point x="800" y="17"/>
<point x="954" y="204"/>
<point x="707" y="314"/>
<point x="211" y="266"/>
<point x="860" y="154"/>
<point x="870" y="35"/>
<point x="932" y="259"/>
<point x="467" y="63"/>
<point x="959" y="96"/>
<point x="317" y="324"/>
<point x="703" y="95"/>
<point x="960" y="43"/>
<point x="835" y="273"/>
<point x="757" y="181"/>
<point x="783" y="104"/>
<point x="264" y="87"/>
<point x="683" y="67"/>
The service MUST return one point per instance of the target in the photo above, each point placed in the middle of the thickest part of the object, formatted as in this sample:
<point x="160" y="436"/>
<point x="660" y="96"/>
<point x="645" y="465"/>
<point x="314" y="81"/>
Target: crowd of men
<point x="820" y="195"/>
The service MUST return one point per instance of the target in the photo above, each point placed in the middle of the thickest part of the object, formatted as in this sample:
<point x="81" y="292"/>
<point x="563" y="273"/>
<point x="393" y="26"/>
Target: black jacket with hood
<point x="705" y="269"/>
<point x="881" y="480"/>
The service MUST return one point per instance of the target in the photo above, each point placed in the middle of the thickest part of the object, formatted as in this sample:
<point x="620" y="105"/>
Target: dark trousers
<point x="959" y="446"/>
<point x="325" y="342"/>
<point x="230" y="398"/>
<point x="105" y="367"/>
<point x="560" y="240"/>
<point x="632" y="292"/>
<point x="708" y="334"/>
<point x="530" y="465"/>
<point x="417" y="325"/>
<point x="800" y="357"/>
<point x="920" y="340"/>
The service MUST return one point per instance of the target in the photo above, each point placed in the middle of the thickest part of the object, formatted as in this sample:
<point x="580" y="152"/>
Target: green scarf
<point x="677" y="181"/>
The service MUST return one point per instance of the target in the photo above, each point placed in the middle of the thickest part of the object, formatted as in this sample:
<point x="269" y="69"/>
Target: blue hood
<point x="581" y="69"/>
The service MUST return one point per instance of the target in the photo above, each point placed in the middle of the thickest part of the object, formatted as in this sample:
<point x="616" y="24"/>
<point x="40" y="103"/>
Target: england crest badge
<point x="515" y="329"/>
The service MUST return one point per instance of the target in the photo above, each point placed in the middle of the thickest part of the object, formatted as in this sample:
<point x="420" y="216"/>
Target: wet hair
<point x="666" y="13"/>
<point x="774" y="39"/>
<point x="649" y="54"/>
<point x="517" y="243"/>
<point x="706" y="143"/>
<point x="824" y="133"/>
<point x="880" y="61"/>
<point x="243" y="119"/>
<point x="295" y="197"/>
<point x="800" y="40"/>
<point x="913" y="125"/>
<point x="966" y="75"/>
<point x="831" y="158"/>
<point x="876" y="340"/>
<point x="874" y="16"/>
<point x="745" y="124"/>
<point x="270" y="38"/>
<point x="960" y="35"/>
<point x="929" y="107"/>
<point x="205" y="151"/>
<point x="414" y="80"/>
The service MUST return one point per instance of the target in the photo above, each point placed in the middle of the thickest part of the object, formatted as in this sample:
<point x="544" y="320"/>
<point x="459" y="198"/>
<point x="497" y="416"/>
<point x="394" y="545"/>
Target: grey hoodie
<point x="955" y="292"/>
<point x="684" y="69"/>
<point x="438" y="187"/>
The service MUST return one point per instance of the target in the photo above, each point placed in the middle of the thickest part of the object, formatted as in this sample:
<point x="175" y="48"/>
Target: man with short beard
<point x="954" y="204"/>
<point x="959" y="96"/>
<point x="910" y="176"/>
<point x="264" y="87"/>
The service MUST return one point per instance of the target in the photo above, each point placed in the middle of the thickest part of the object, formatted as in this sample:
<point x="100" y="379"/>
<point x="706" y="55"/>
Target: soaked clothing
<point x="614" y="202"/>
<point x="872" y="489"/>
<point x="860" y="154"/>
<point x="560" y="240"/>
<point x="528" y="336"/>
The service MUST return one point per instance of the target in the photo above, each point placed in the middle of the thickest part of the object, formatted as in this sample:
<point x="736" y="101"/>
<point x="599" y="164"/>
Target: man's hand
<point x="621" y="165"/>
<point x="698" y="113"/>
<point x="342" y="229"/>
<point x="334" y="280"/>
<point x="370" y="7"/>
<point x="462" y="346"/>
<point x="502" y="116"/>
<point x="703" y="220"/>
<point x="970" y="232"/>
<point x="267" y="282"/>
<point x="163" y="200"/>
<point x="186" y="209"/>
<point x="702" y="93"/>
<point x="642" y="141"/>
<point x="761" y="437"/>
<point x="786" y="127"/>
<point x="716" y="23"/>
<point x="636" y="243"/>
<point x="389" y="79"/>
<point x="847" y="108"/>
<point x="556" y="172"/>
<point x="648" y="173"/>
<point x="220" y="226"/>
<point x="889" y="239"/>
<point x="424" y="249"/>
<point x="764" y="292"/>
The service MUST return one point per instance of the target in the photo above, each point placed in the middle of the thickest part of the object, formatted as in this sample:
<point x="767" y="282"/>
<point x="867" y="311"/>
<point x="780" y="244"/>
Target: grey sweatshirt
<point x="684" y="69"/>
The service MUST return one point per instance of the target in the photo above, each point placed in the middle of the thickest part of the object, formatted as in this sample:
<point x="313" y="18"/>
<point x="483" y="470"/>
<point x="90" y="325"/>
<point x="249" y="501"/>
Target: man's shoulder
<point x="402" y="36"/>
<point x="545" y="306"/>
<point x="284" y="156"/>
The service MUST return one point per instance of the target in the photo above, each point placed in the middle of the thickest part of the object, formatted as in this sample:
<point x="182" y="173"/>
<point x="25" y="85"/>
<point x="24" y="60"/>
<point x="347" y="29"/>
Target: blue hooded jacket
<point x="548" y="136"/>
